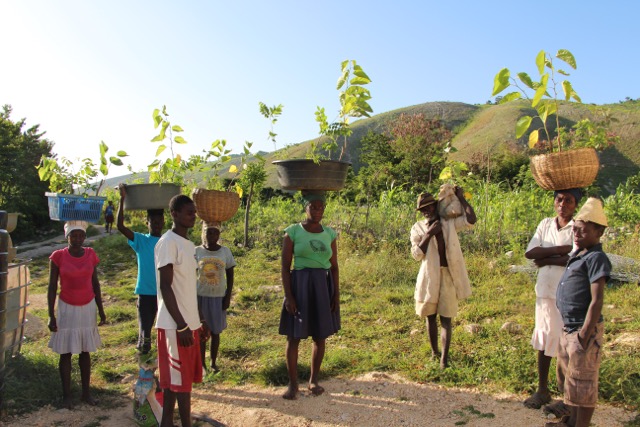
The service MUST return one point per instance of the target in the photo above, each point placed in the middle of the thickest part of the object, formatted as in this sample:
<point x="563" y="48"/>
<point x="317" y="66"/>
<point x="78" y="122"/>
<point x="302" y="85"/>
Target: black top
<point x="574" y="290"/>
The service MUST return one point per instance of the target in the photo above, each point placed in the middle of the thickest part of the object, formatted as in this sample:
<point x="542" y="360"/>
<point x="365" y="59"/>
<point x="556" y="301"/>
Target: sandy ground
<point x="374" y="399"/>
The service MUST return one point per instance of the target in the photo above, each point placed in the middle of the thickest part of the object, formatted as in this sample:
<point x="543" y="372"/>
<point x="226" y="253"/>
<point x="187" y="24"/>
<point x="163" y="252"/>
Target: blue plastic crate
<point x="68" y="207"/>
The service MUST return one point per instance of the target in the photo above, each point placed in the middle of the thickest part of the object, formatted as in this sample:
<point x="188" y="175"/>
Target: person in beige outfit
<point x="442" y="279"/>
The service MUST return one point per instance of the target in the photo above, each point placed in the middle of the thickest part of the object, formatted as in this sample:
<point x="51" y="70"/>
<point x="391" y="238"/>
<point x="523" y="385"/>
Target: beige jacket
<point x="428" y="281"/>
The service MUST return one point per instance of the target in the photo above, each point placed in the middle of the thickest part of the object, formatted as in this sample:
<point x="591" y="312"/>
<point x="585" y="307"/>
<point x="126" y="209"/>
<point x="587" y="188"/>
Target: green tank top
<point x="311" y="250"/>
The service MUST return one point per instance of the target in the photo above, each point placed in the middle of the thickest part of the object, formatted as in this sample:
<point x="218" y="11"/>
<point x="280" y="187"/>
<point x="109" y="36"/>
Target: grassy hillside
<point x="491" y="129"/>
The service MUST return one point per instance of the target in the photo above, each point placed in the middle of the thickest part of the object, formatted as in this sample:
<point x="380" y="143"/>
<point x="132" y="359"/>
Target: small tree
<point x="252" y="181"/>
<point x="419" y="143"/>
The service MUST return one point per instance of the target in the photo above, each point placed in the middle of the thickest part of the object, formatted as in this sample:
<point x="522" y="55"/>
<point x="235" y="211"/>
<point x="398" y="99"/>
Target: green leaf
<point x="103" y="169"/>
<point x="176" y="128"/>
<point x="522" y="125"/>
<point x="160" y="149"/>
<point x="122" y="153"/>
<point x="359" y="81"/>
<point x="500" y="81"/>
<point x="179" y="140"/>
<point x="103" y="148"/>
<point x="576" y="97"/>
<point x="157" y="119"/>
<point x="563" y="72"/>
<point x="512" y="96"/>
<point x="566" y="56"/>
<point x="568" y="90"/>
<point x="524" y="78"/>
<point x="533" y="138"/>
<point x="342" y="79"/>
<point x="541" y="59"/>
<point x="359" y="72"/>
<point x="543" y="111"/>
<point x="158" y="137"/>
<point x="541" y="90"/>
<point x="115" y="161"/>
<point x="546" y="108"/>
<point x="446" y="173"/>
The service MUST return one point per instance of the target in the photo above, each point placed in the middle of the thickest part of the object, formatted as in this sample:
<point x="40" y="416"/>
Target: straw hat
<point x="592" y="211"/>
<point x="424" y="199"/>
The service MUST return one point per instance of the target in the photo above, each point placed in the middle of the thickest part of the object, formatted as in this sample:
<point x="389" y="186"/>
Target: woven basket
<point x="566" y="169"/>
<point x="214" y="205"/>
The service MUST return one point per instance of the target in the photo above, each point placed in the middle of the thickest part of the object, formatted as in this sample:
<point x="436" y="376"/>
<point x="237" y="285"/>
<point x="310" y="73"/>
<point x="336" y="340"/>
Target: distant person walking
<point x="146" y="287"/>
<point x="311" y="306"/>
<point x="74" y="330"/>
<point x="549" y="249"/>
<point x="108" y="217"/>
<point x="442" y="278"/>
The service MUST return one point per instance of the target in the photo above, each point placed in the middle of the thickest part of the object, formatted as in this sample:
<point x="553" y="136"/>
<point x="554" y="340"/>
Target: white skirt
<point x="548" y="329"/>
<point x="77" y="329"/>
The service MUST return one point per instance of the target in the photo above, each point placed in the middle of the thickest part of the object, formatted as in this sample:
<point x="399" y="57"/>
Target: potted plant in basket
<point x="71" y="182"/>
<point x="218" y="205"/>
<point x="165" y="176"/>
<point x="319" y="172"/>
<point x="567" y="158"/>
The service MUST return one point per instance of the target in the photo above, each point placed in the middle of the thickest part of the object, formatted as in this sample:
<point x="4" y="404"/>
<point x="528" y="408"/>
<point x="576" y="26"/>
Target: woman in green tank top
<point x="311" y="306"/>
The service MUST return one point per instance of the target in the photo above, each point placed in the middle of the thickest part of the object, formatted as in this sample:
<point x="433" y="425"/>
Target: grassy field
<point x="380" y="331"/>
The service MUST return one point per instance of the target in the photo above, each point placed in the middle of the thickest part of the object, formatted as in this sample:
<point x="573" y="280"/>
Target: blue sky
<point x="88" y="71"/>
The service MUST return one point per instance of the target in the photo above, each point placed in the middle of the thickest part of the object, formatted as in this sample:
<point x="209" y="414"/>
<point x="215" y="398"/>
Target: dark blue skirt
<point x="313" y="290"/>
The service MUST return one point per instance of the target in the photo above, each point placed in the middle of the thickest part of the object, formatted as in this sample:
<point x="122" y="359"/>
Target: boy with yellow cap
<point x="579" y="298"/>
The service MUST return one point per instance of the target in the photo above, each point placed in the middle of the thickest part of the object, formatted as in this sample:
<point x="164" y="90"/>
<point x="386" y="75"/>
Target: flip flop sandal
<point x="535" y="401"/>
<point x="557" y="408"/>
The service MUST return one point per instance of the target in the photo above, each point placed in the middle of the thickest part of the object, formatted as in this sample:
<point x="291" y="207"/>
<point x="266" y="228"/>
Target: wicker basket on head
<point x="566" y="169"/>
<point x="214" y="205"/>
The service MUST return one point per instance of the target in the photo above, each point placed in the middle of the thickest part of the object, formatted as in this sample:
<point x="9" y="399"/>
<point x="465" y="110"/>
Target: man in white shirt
<point x="442" y="278"/>
<point x="178" y="321"/>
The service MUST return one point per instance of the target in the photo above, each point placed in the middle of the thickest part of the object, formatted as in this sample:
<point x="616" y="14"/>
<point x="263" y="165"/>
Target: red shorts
<point x="179" y="366"/>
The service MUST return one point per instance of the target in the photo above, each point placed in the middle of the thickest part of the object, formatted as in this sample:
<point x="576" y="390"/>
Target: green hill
<point x="489" y="129"/>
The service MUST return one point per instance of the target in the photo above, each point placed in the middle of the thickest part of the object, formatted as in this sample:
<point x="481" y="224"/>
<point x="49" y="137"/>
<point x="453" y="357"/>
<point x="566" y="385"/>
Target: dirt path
<point x="372" y="400"/>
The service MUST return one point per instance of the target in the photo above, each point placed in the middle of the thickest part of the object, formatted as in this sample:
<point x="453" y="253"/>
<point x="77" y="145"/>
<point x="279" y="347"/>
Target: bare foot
<point x="291" y="393"/>
<point x="435" y="355"/>
<point x="316" y="389"/>
<point x="67" y="402"/>
<point x="89" y="400"/>
<point x="444" y="363"/>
